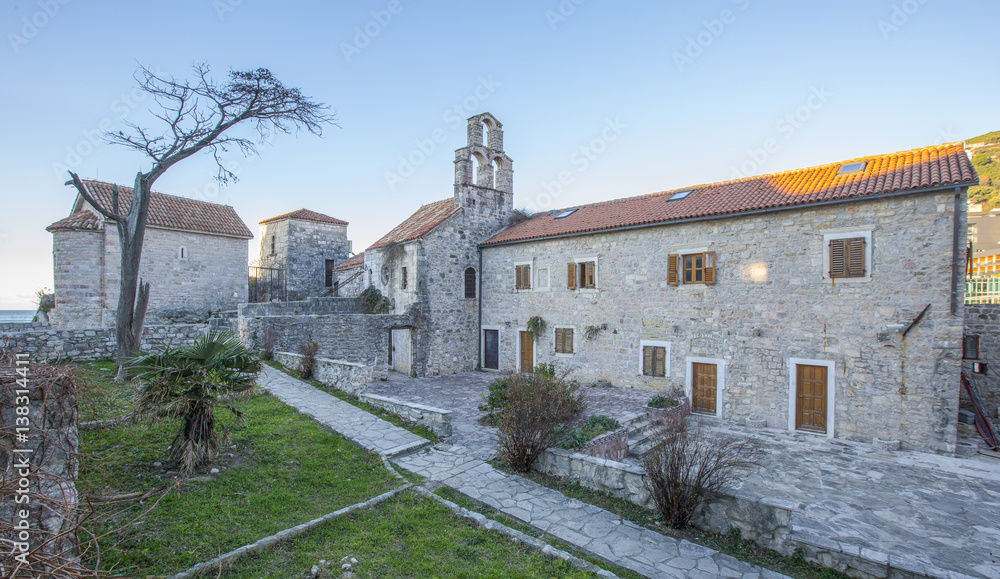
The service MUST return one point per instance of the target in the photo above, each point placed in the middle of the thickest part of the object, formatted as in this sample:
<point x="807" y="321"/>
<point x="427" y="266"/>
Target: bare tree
<point x="197" y="114"/>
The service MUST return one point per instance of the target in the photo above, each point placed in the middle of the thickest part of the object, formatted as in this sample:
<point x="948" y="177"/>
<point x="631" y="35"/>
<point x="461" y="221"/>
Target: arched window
<point x="470" y="283"/>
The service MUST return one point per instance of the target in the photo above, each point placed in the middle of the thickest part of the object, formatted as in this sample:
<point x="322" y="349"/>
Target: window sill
<point x="559" y="355"/>
<point x="837" y="280"/>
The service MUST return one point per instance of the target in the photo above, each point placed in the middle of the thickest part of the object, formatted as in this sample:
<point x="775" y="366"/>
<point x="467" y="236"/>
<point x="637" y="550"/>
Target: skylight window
<point x="680" y="195"/>
<point x="567" y="213"/>
<point x="852" y="168"/>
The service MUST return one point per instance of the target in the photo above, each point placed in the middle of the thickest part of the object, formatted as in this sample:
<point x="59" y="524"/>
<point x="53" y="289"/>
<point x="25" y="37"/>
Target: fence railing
<point x="267" y="284"/>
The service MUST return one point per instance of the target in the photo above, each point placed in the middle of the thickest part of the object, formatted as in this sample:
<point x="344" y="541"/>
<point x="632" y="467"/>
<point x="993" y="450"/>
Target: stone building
<point x="194" y="257"/>
<point x="826" y="300"/>
<point x="350" y="277"/>
<point x="304" y="246"/>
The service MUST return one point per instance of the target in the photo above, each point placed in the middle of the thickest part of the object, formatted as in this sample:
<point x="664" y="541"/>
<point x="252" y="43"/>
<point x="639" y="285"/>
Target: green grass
<point x="406" y="536"/>
<point x="98" y="397"/>
<point x="284" y="470"/>
<point x="729" y="543"/>
<point x="418" y="429"/>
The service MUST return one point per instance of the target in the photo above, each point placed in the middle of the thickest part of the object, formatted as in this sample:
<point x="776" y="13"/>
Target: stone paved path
<point x="586" y="527"/>
<point x="463" y="394"/>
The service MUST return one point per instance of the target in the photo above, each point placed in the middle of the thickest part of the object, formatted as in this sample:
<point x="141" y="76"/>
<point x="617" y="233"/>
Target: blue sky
<point x="615" y="99"/>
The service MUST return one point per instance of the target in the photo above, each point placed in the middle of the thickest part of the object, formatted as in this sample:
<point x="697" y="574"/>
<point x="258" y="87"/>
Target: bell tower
<point x="484" y="174"/>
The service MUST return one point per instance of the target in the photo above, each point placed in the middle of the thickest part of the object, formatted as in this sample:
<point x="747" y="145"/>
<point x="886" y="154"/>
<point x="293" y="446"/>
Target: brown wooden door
<point x="810" y="398"/>
<point x="703" y="388"/>
<point x="527" y="352"/>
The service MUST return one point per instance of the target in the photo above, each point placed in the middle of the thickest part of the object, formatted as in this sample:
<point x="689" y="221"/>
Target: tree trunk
<point x="133" y="296"/>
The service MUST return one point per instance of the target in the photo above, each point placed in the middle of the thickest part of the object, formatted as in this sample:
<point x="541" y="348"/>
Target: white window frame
<point x="831" y="390"/>
<point x="720" y="380"/>
<point x="666" y="357"/>
<point x="597" y="276"/>
<point x="531" y="277"/>
<point x="847" y="234"/>
<point x="563" y="327"/>
<point x="542" y="273"/>
<point x="482" y="348"/>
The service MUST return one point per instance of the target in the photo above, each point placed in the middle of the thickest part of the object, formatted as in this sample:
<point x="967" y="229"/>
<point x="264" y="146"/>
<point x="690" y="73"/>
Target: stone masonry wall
<point x="78" y="279"/>
<point x="770" y="306"/>
<point x="310" y="306"/>
<point x="983" y="320"/>
<point x="92" y="344"/>
<point x="351" y="281"/>
<point x="303" y="248"/>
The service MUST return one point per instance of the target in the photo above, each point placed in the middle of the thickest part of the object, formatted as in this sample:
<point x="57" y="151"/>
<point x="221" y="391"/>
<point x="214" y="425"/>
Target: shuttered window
<point x="691" y="268"/>
<point x="654" y="361"/>
<point x="571" y="275"/>
<point x="847" y="257"/>
<point x="970" y="347"/>
<point x="587" y="277"/>
<point x="522" y="277"/>
<point x="564" y="340"/>
<point x="470" y="283"/>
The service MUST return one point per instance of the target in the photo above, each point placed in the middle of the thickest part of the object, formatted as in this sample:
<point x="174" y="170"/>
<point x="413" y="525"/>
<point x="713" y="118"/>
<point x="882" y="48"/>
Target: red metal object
<point x="983" y="425"/>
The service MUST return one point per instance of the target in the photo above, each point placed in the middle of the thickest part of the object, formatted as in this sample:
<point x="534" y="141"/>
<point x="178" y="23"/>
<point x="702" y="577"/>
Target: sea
<point x="12" y="316"/>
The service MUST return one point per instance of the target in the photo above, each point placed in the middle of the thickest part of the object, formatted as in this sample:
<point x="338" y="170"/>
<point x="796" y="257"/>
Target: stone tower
<point x="484" y="174"/>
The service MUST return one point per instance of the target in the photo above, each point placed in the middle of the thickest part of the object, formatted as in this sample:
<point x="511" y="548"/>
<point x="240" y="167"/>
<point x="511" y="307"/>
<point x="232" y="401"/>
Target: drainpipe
<point x="954" y="253"/>
<point x="479" y="327"/>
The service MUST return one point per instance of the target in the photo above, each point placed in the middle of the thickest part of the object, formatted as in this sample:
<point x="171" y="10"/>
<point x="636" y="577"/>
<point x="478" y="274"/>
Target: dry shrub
<point x="308" y="362"/>
<point x="267" y="352"/>
<point x="534" y="416"/>
<point x="686" y="464"/>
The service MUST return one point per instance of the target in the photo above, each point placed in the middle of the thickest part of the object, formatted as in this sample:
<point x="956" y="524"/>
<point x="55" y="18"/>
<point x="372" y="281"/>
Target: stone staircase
<point x="643" y="427"/>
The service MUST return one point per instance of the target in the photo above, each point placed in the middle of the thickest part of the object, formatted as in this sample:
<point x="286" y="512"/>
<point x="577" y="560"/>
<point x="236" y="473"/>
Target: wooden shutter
<point x="709" y="263"/>
<point x="568" y="341"/>
<point x="856" y="257"/>
<point x="838" y="258"/>
<point x="672" y="261"/>
<point x="571" y="275"/>
<point x="588" y="274"/>
<point x="517" y="277"/>
<point x="647" y="360"/>
<point x="559" y="341"/>
<point x="970" y="347"/>
<point x="659" y="361"/>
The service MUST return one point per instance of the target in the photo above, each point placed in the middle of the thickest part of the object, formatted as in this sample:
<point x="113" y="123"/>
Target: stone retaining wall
<point x="96" y="343"/>
<point x="435" y="419"/>
<point x="308" y="306"/>
<point x="983" y="320"/>
<point x="345" y="376"/>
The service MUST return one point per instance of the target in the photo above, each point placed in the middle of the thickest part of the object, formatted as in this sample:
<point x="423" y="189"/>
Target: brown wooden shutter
<point x="672" y="261"/>
<point x="560" y="341"/>
<point x="568" y="341"/>
<point x="571" y="275"/>
<point x="856" y="257"/>
<point x="709" y="263"/>
<point x="647" y="361"/>
<point x="659" y="361"/>
<point x="517" y="277"/>
<point x="837" y="258"/>
<point x="588" y="269"/>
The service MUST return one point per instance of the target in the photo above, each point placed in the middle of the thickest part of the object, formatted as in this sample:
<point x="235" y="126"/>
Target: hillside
<point x="985" y="151"/>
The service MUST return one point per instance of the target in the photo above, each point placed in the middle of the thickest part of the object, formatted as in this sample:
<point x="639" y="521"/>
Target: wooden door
<point x="491" y="349"/>
<point x="527" y="352"/>
<point x="703" y="388"/>
<point x="810" y="398"/>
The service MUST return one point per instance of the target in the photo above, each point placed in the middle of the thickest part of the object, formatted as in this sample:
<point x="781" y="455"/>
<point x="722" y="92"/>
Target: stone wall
<point x="345" y="376"/>
<point x="436" y="420"/>
<point x="309" y="306"/>
<point x="302" y="247"/>
<point x="351" y="281"/>
<point x="983" y="320"/>
<point x="210" y="277"/>
<point x="771" y="308"/>
<point x="92" y="344"/>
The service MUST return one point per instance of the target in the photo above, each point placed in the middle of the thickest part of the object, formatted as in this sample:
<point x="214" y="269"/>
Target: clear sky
<point x="615" y="98"/>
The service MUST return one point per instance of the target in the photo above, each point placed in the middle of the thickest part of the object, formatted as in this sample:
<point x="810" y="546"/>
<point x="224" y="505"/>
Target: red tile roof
<point x="172" y="212"/>
<point x="356" y="261"/>
<point x="420" y="223"/>
<point x="306" y="215"/>
<point x="79" y="221"/>
<point x="919" y="169"/>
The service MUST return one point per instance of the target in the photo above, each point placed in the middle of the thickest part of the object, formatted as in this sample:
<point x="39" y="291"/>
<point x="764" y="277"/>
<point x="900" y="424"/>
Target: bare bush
<point x="537" y="409"/>
<point x="267" y="345"/>
<point x="308" y="362"/>
<point x="686" y="464"/>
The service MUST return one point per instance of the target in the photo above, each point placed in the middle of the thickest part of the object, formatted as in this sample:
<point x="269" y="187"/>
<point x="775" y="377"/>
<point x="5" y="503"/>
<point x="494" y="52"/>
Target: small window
<point x="182" y="253"/>
<point x="403" y="278"/>
<point x="654" y="361"/>
<point x="564" y="340"/>
<point x="329" y="273"/>
<point x="847" y="257"/>
<point x="522" y="277"/>
<point x="566" y="213"/>
<point x="970" y="347"/>
<point x="691" y="268"/>
<point x="470" y="283"/>
<point x="587" y="275"/>
<point x="852" y="168"/>
<point x="680" y="195"/>
<point x="273" y="245"/>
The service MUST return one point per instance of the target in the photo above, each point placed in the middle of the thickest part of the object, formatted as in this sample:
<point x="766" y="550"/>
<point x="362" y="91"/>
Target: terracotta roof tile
<point x="172" y="212"/>
<point x="79" y="221"/>
<point x="306" y="215"/>
<point x="919" y="169"/>
<point x="356" y="261"/>
<point x="420" y="223"/>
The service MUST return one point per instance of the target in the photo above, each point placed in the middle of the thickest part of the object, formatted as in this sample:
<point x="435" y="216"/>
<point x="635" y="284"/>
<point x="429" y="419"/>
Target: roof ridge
<point x="129" y="187"/>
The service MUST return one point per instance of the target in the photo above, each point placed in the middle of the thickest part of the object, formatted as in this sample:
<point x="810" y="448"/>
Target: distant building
<point x="304" y="246"/>
<point x="194" y="257"/>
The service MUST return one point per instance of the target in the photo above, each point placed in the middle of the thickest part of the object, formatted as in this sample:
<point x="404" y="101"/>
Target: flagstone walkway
<point x="586" y="527"/>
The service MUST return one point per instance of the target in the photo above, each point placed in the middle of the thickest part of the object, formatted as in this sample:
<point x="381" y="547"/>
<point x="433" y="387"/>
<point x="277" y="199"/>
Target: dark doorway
<point x="491" y="349"/>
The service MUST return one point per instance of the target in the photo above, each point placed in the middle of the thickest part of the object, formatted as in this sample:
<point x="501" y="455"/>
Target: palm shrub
<point x="189" y="383"/>
<point x="534" y="417"/>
